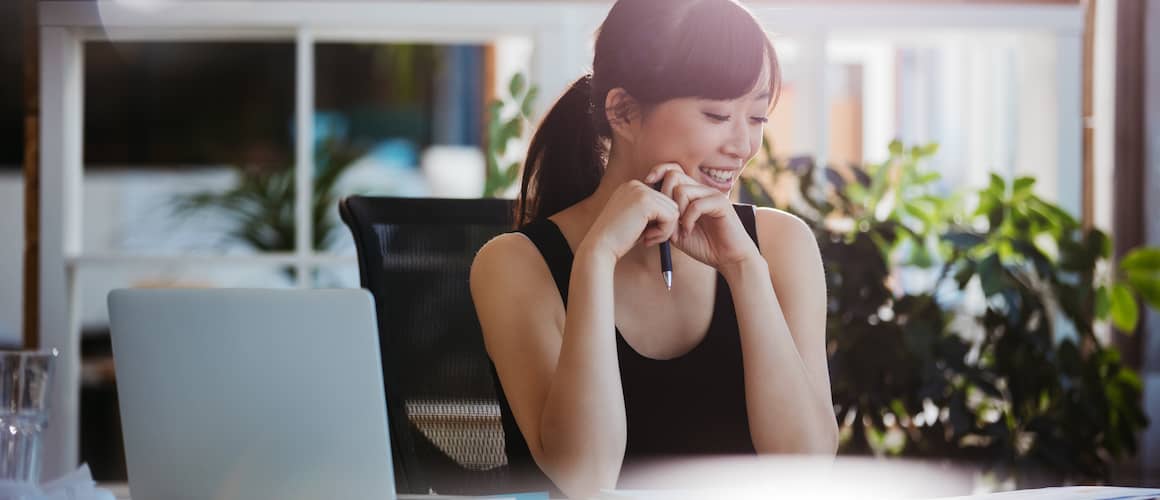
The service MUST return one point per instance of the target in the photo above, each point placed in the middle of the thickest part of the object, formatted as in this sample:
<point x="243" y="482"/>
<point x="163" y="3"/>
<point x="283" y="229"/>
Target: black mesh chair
<point x="414" y="256"/>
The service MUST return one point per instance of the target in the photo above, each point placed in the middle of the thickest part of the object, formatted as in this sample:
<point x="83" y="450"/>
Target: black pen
<point x="666" y="256"/>
<point x="667" y="264"/>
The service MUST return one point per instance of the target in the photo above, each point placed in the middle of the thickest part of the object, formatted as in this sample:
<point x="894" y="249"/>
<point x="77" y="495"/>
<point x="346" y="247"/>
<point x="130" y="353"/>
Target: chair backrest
<point x="414" y="256"/>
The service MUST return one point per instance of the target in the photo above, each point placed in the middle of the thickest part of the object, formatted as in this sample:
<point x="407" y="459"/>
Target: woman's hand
<point x="708" y="229"/>
<point x="636" y="214"/>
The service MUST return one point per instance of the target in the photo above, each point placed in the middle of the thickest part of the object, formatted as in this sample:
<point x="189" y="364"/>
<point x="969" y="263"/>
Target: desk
<point x="121" y="492"/>
<point x="1071" y="493"/>
<point x="840" y="478"/>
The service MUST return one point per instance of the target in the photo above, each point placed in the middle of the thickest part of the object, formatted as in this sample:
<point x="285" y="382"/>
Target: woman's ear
<point x="622" y="113"/>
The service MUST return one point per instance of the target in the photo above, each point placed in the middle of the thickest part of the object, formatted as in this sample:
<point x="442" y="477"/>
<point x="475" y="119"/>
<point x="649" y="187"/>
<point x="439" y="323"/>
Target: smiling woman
<point x="600" y="364"/>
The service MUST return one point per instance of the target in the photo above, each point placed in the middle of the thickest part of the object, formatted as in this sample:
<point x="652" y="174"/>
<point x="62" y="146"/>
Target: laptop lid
<point x="251" y="394"/>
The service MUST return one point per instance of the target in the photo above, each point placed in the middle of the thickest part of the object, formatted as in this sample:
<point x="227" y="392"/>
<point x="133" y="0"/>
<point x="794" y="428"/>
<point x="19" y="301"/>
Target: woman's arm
<point x="559" y="374"/>
<point x="780" y="299"/>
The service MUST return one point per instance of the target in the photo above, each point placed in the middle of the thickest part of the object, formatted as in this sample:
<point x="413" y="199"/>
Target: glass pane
<point x="12" y="51"/>
<point x="988" y="98"/>
<point x="844" y="91"/>
<point x="400" y="119"/>
<point x="188" y="148"/>
<point x="397" y="120"/>
<point x="787" y="130"/>
<point x="780" y="132"/>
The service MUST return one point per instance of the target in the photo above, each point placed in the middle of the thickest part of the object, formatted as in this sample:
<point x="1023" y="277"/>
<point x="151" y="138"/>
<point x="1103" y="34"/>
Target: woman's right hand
<point x="636" y="213"/>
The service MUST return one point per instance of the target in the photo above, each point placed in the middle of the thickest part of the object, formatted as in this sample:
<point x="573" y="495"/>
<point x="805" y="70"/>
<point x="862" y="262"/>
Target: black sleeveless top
<point x="693" y="404"/>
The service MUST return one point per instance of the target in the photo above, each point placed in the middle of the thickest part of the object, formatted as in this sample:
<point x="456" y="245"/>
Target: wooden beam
<point x="31" y="290"/>
<point x="1128" y="177"/>
<point x="487" y="91"/>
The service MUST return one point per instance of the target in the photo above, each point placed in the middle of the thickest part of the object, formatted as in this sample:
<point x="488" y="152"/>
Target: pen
<point x="667" y="264"/>
<point x="666" y="256"/>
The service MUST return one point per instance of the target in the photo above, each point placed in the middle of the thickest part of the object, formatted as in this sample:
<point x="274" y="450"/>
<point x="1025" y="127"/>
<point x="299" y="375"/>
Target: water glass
<point x="24" y="381"/>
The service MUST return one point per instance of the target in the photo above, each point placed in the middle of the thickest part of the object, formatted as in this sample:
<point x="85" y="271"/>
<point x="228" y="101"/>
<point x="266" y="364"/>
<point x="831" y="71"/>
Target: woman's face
<point x="711" y="140"/>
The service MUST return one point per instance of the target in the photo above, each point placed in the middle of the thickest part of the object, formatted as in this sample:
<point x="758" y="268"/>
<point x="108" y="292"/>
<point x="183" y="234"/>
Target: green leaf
<point x="1142" y="259"/>
<point x="1148" y="287"/>
<point x="916" y="211"/>
<point x="1098" y="244"/>
<point x="516" y="87"/>
<point x="510" y="130"/>
<point x="1057" y="214"/>
<point x="529" y="101"/>
<point x="964" y="240"/>
<point x="513" y="128"/>
<point x="898" y="409"/>
<point x="927" y="178"/>
<point x="856" y="192"/>
<point x="494" y="107"/>
<point x="996" y="217"/>
<point x="920" y="256"/>
<point x="1103" y="302"/>
<point x="987" y="203"/>
<point x="896" y="147"/>
<point x="511" y="173"/>
<point x="964" y="274"/>
<point x="928" y="150"/>
<point x="1125" y="311"/>
<point x="998" y="185"/>
<point x="1024" y="184"/>
<point x="990" y="275"/>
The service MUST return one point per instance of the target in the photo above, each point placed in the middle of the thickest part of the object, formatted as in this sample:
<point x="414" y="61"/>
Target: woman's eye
<point x="760" y="119"/>
<point x="717" y="118"/>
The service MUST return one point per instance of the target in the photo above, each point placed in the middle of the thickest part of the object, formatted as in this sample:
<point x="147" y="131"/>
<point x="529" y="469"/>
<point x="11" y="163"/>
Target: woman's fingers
<point x="651" y="236"/>
<point x="660" y="212"/>
<point x="666" y="216"/>
<point x="685" y="194"/>
<point x="707" y="205"/>
<point x="670" y="181"/>
<point x="667" y="176"/>
<point x="658" y="172"/>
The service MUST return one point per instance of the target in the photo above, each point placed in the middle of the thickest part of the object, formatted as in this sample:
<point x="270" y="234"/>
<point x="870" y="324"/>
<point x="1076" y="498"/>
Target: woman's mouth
<point x="719" y="178"/>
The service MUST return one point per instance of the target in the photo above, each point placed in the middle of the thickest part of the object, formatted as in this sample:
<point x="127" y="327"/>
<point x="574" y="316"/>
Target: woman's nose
<point x="738" y="144"/>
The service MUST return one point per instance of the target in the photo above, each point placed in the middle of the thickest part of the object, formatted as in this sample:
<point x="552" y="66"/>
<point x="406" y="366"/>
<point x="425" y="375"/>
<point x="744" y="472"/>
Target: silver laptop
<point x="251" y="394"/>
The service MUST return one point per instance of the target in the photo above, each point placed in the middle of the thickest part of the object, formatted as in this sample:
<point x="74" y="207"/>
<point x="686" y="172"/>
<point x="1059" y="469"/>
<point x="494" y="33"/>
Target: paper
<point x="76" y="485"/>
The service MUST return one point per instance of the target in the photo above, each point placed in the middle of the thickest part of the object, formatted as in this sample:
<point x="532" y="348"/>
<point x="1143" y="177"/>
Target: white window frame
<point x="561" y="32"/>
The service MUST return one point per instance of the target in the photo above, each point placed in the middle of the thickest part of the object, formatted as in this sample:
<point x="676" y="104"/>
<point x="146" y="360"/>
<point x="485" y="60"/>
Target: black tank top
<point x="693" y="404"/>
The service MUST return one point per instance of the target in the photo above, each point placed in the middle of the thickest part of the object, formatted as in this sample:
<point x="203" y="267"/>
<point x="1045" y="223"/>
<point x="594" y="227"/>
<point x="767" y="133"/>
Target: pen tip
<point x="668" y="279"/>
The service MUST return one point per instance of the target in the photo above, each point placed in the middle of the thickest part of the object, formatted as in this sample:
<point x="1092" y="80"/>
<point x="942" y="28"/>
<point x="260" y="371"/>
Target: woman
<point x="599" y="362"/>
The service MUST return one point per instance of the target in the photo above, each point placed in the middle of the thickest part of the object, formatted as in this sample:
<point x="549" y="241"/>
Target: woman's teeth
<point x="722" y="176"/>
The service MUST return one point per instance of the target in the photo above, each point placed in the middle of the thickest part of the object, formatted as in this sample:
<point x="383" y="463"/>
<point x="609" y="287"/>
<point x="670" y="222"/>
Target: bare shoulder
<point x="784" y="236"/>
<point x="512" y="288"/>
<point x="509" y="259"/>
<point x="501" y="251"/>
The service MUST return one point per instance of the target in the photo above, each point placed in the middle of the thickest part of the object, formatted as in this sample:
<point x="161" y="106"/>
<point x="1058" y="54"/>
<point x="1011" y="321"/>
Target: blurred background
<point x="172" y="133"/>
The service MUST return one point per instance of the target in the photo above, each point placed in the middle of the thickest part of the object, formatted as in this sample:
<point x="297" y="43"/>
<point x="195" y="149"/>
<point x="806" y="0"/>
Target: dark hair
<point x="656" y="51"/>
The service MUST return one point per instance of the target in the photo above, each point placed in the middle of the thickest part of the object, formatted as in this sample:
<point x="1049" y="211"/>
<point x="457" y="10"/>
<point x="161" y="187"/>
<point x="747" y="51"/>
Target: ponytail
<point x="565" y="159"/>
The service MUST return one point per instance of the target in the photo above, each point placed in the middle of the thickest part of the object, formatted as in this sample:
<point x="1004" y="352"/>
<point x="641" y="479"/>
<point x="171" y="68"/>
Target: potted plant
<point x="507" y="119"/>
<point x="1020" y="382"/>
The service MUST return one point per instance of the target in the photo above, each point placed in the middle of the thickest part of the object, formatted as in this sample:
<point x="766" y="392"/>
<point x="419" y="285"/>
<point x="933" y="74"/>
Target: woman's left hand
<point x="709" y="229"/>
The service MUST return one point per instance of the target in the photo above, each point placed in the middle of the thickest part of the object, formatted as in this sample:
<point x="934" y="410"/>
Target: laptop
<point x="251" y="394"/>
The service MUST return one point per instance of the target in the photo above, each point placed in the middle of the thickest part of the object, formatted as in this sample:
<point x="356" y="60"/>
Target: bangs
<point x="719" y="54"/>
